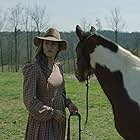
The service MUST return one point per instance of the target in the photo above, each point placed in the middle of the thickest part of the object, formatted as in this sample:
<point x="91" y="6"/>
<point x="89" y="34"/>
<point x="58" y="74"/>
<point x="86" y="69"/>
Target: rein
<point x="87" y="110"/>
<point x="79" y="116"/>
<point x="86" y="120"/>
<point x="68" y="129"/>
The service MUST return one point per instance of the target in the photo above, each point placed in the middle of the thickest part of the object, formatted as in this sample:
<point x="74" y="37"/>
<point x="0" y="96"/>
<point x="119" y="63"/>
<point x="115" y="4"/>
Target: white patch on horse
<point x="123" y="61"/>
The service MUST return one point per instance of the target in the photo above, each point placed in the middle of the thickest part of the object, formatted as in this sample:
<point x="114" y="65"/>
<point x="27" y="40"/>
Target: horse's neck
<point x="110" y="83"/>
<point x="117" y="72"/>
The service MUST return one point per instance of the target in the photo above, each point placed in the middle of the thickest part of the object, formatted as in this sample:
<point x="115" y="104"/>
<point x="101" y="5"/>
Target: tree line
<point x="19" y="25"/>
<point x="12" y="59"/>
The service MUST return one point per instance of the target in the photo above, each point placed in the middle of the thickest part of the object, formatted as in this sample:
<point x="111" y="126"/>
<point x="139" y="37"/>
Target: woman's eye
<point x="54" y="45"/>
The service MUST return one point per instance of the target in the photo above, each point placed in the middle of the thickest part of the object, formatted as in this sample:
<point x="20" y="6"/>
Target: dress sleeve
<point x="67" y="101"/>
<point x="35" y="107"/>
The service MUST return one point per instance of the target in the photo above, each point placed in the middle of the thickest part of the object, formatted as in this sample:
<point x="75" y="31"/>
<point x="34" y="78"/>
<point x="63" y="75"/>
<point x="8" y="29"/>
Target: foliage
<point x="127" y="40"/>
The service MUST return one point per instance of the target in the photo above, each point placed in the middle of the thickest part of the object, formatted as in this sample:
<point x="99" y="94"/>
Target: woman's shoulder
<point x="30" y="67"/>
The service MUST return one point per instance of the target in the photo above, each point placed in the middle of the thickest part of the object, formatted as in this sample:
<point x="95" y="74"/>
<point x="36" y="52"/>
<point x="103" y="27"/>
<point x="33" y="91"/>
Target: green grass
<point x="13" y="115"/>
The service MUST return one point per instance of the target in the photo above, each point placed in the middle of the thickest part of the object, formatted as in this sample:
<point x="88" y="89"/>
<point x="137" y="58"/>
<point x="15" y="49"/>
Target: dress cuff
<point x="68" y="102"/>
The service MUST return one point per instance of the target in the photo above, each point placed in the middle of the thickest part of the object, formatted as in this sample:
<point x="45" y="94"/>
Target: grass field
<point x="13" y="115"/>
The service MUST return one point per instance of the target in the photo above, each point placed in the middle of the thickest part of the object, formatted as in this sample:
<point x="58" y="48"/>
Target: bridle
<point x="87" y="110"/>
<point x="78" y="114"/>
<point x="87" y="88"/>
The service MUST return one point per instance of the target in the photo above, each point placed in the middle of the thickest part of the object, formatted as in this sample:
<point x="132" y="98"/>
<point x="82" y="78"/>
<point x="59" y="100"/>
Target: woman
<point x="44" y="91"/>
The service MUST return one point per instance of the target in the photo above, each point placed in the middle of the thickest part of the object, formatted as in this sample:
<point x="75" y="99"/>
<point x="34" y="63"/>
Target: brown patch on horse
<point x="126" y="112"/>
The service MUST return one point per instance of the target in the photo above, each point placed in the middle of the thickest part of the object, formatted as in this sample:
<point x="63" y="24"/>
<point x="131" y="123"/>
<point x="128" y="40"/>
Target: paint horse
<point x="118" y="72"/>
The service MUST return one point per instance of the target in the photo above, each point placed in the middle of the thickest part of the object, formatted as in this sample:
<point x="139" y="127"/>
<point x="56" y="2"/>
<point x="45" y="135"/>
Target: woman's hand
<point x="45" y="108"/>
<point x="72" y="108"/>
<point x="59" y="115"/>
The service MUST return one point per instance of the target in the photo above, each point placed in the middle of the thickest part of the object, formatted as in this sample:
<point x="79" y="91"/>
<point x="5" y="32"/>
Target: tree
<point x="98" y="24"/>
<point x="1" y="50"/>
<point x="26" y="25"/>
<point x="85" y="24"/>
<point x="136" y="42"/>
<point x="115" y="22"/>
<point x="3" y="16"/>
<point x="38" y="14"/>
<point x="15" y="19"/>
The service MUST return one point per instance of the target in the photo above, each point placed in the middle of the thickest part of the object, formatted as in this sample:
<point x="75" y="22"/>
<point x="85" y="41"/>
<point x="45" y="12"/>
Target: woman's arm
<point x="67" y="101"/>
<point x="69" y="104"/>
<point x="37" y="109"/>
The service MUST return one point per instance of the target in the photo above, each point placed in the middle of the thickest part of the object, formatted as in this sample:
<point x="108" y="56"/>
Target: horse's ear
<point x="93" y="30"/>
<point x="79" y="32"/>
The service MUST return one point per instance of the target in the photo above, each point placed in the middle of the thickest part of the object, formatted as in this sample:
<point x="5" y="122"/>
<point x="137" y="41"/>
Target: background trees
<point x="15" y="20"/>
<point x="2" y="24"/>
<point x="21" y="24"/>
<point x="115" y="22"/>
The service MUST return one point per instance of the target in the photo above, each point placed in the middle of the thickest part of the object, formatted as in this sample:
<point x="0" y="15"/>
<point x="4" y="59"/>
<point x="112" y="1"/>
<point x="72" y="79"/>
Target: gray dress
<point x="40" y="90"/>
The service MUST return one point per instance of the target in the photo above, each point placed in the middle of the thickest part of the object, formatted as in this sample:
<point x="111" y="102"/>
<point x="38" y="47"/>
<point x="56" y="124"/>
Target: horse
<point x="118" y="72"/>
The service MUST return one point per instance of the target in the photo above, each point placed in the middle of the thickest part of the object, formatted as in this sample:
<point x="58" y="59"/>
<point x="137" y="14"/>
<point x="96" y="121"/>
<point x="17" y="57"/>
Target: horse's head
<point x="85" y="46"/>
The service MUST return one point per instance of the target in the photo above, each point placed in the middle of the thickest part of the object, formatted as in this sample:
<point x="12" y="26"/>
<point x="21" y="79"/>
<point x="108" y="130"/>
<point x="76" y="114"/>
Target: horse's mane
<point x="114" y="46"/>
<point x="106" y="42"/>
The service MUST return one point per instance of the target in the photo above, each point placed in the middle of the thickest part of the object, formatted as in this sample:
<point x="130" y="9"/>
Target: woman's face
<point x="50" y="48"/>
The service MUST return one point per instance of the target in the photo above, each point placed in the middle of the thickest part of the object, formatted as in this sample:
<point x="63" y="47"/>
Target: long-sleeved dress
<point x="40" y="90"/>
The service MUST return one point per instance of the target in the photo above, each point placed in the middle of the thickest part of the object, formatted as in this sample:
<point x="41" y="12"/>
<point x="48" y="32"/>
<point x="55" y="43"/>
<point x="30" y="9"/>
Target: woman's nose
<point x="49" y="46"/>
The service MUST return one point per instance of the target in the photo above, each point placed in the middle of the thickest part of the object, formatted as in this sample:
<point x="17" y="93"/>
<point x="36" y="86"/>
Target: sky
<point x="66" y="14"/>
